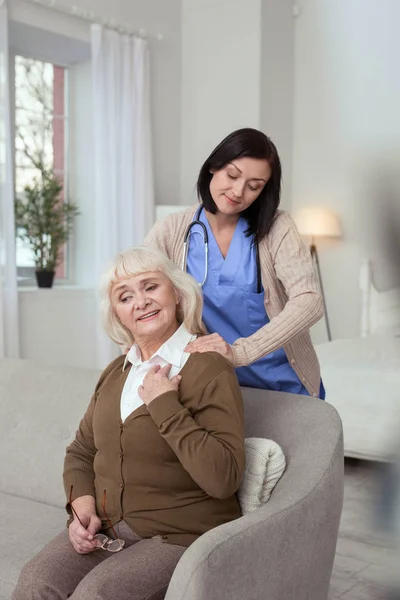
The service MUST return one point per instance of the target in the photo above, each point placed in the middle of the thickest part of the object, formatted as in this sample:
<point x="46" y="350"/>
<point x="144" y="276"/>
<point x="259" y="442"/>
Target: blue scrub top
<point x="234" y="309"/>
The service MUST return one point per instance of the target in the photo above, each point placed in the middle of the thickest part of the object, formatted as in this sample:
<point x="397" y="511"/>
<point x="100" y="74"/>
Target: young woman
<point x="260" y="290"/>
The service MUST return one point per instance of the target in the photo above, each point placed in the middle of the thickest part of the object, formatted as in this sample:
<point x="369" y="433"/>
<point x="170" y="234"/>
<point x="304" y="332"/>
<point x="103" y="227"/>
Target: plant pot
<point x="44" y="278"/>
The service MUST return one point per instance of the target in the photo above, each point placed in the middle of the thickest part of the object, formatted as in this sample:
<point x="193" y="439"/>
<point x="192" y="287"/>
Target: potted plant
<point x="45" y="222"/>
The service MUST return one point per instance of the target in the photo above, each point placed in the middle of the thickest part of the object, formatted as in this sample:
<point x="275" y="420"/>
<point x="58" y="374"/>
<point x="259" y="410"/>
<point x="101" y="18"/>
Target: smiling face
<point x="238" y="184"/>
<point x="146" y="305"/>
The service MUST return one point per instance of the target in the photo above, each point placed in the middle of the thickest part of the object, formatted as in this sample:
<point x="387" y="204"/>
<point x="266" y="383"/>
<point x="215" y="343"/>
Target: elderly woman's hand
<point x="80" y="537"/>
<point x="156" y="382"/>
<point x="212" y="343"/>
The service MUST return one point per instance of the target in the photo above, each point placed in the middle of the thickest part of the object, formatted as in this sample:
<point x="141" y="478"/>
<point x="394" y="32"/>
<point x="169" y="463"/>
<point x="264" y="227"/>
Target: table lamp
<point x="314" y="222"/>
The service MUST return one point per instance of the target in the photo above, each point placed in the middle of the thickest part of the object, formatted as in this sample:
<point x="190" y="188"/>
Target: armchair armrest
<point x="283" y="551"/>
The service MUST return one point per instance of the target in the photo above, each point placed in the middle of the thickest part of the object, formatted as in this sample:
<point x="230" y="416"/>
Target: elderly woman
<point x="159" y="453"/>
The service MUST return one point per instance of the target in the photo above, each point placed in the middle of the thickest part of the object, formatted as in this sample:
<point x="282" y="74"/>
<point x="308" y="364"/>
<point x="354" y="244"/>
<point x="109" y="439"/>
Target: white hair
<point x="139" y="260"/>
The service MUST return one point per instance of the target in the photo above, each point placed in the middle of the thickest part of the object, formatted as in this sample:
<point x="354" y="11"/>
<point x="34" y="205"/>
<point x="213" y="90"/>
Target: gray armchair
<point x="285" y="550"/>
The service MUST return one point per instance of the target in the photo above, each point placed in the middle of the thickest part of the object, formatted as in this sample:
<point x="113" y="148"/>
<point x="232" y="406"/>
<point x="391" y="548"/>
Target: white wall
<point x="221" y="63"/>
<point x="347" y="139"/>
<point x="277" y="84"/>
<point x="237" y="71"/>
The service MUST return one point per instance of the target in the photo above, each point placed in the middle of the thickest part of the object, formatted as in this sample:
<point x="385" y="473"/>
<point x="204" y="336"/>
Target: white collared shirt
<point x="171" y="352"/>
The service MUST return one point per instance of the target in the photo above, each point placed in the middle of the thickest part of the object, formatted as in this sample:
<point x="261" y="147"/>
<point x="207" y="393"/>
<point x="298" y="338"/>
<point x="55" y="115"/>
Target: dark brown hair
<point x="249" y="143"/>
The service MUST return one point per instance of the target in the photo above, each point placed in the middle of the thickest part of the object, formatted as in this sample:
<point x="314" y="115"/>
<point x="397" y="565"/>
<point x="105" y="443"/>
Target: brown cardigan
<point x="171" y="468"/>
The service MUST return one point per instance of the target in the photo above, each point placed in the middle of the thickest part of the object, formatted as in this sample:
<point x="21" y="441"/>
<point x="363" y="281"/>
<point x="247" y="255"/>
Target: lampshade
<point x="317" y="221"/>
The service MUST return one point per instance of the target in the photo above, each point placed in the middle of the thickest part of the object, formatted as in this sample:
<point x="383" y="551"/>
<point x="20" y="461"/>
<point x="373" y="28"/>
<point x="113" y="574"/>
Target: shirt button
<point x="121" y="454"/>
<point x="315" y="395"/>
<point x="293" y="361"/>
<point x="121" y="485"/>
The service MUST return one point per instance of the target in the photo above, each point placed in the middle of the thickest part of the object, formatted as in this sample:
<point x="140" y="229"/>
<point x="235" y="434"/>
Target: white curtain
<point x="124" y="193"/>
<point x="9" y="334"/>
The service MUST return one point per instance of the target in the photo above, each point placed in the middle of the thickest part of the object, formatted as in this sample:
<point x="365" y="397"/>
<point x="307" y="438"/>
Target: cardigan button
<point x="315" y="395"/>
<point x="293" y="361"/>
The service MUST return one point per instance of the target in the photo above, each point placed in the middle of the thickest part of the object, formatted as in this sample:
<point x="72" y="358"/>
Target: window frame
<point x="26" y="275"/>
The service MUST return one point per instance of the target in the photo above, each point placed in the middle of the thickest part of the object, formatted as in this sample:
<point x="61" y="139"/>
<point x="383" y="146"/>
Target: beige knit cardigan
<point x="292" y="299"/>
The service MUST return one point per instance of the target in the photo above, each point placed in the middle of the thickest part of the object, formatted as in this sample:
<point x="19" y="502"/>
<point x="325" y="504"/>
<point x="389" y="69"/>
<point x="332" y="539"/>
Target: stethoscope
<point x="186" y="242"/>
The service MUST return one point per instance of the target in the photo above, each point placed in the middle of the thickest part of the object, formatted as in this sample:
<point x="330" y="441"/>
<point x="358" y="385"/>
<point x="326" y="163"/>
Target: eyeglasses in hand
<point x="110" y="544"/>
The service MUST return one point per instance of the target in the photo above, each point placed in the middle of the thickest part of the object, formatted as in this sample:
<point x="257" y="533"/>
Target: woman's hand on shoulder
<point x="212" y="343"/>
<point x="156" y="382"/>
<point x="81" y="534"/>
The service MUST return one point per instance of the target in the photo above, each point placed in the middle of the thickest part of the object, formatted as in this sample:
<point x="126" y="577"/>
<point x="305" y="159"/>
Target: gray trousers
<point x="141" y="571"/>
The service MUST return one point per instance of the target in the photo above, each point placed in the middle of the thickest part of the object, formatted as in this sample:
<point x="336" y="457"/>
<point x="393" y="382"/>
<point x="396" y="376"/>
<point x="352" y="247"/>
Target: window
<point x="41" y="126"/>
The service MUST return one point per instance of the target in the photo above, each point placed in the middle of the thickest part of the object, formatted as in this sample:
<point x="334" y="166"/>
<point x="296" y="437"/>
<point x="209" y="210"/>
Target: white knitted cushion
<point x="265" y="464"/>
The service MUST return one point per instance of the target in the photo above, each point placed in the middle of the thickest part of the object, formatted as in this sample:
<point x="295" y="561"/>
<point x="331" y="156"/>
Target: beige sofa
<point x="284" y="550"/>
